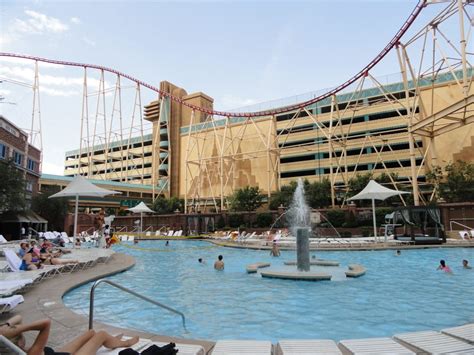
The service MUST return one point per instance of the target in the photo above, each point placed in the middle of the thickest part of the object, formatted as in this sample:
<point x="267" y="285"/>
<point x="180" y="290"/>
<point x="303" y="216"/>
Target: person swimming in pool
<point x="219" y="264"/>
<point x="465" y="264"/>
<point x="442" y="266"/>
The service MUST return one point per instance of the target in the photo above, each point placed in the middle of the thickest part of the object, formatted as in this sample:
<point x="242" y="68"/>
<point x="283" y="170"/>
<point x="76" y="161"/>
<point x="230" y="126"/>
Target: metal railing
<point x="111" y="283"/>
<point x="451" y="222"/>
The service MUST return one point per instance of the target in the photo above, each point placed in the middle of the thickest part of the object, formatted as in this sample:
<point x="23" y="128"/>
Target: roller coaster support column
<point x="410" y="112"/>
<point x="465" y="83"/>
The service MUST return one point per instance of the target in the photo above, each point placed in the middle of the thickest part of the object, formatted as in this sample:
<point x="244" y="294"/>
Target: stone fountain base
<point x="296" y="275"/>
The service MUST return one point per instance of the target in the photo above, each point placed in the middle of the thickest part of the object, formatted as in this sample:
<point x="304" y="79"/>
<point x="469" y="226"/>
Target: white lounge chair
<point x="239" y="347"/>
<point x="183" y="349"/>
<point x="307" y="347"/>
<point x="374" y="346"/>
<point x="14" y="262"/>
<point x="463" y="332"/>
<point x="464" y="235"/>
<point x="170" y="233"/>
<point x="2" y="239"/>
<point x="434" y="343"/>
<point x="148" y="234"/>
<point x="8" y="303"/>
<point x="10" y="287"/>
<point x="7" y="347"/>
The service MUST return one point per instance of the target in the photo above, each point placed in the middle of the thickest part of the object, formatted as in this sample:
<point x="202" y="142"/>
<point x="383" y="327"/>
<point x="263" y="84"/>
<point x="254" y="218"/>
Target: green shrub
<point x="263" y="220"/>
<point x="380" y="214"/>
<point x="235" y="220"/>
<point x="336" y="217"/>
<point x="351" y="221"/>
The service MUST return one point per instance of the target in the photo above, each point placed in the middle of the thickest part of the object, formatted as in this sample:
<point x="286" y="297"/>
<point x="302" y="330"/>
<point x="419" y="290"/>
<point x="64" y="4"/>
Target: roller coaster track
<point x="364" y="72"/>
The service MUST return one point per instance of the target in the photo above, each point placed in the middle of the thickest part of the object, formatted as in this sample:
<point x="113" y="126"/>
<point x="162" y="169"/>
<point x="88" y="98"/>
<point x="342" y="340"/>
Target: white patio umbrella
<point x="81" y="187"/>
<point x="141" y="208"/>
<point x="374" y="191"/>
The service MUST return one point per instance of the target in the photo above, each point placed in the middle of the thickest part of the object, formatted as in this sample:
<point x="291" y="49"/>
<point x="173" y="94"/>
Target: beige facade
<point x="195" y="156"/>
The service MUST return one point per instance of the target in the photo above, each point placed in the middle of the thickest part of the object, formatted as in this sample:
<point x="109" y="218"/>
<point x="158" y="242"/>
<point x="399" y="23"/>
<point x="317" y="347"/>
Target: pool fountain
<point x="299" y="219"/>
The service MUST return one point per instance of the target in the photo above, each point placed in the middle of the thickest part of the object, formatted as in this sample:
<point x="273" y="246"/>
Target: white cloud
<point x="56" y="92"/>
<point x="76" y="20"/>
<point x="35" y="23"/>
<point x="89" y="41"/>
<point x="4" y="92"/>
<point x="53" y="85"/>
<point x="44" y="23"/>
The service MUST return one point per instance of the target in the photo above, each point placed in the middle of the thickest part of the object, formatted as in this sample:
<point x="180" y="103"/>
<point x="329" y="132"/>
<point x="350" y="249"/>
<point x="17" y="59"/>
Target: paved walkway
<point x="45" y="301"/>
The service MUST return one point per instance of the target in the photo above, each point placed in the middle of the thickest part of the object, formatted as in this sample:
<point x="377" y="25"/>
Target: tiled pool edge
<point x="46" y="301"/>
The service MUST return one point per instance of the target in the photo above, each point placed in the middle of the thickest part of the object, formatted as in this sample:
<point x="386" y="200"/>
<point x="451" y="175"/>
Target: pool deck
<point x="45" y="301"/>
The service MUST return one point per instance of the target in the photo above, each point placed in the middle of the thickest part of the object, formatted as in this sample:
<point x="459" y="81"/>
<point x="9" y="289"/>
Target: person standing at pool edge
<point x="219" y="264"/>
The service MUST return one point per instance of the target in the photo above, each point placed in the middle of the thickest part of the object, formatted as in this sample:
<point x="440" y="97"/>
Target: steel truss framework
<point x="428" y="55"/>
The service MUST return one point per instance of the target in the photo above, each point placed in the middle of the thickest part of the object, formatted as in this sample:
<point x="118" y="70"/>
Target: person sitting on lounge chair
<point x="85" y="344"/>
<point x="24" y="247"/>
<point x="29" y="262"/>
<point x="51" y="258"/>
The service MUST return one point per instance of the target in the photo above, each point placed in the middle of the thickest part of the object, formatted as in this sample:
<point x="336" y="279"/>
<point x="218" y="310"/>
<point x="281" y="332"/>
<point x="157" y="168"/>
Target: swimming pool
<point x="398" y="294"/>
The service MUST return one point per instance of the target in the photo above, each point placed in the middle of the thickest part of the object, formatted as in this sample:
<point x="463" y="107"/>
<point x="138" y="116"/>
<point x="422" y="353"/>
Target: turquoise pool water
<point x="398" y="294"/>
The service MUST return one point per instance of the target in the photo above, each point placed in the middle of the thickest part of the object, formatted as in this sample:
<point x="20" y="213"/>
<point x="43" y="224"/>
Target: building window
<point x="3" y="151"/>
<point x="17" y="157"/>
<point x="31" y="165"/>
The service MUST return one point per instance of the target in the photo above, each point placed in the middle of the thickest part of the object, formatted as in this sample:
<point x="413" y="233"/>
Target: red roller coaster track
<point x="395" y="40"/>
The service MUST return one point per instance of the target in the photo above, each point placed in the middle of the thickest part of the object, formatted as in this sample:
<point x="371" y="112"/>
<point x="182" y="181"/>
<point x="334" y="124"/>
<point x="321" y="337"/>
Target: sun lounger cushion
<point x="434" y="342"/>
<point x="374" y="346"/>
<point x="307" y="347"/>
<point x="13" y="260"/>
<point x="238" y="347"/>
<point x="8" y="303"/>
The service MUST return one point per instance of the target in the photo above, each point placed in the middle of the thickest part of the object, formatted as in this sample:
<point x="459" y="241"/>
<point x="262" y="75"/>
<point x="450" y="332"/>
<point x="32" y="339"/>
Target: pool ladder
<point x="111" y="283"/>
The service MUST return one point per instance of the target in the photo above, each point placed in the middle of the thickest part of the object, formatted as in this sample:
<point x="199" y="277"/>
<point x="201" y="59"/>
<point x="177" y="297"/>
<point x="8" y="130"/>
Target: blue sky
<point x="239" y="52"/>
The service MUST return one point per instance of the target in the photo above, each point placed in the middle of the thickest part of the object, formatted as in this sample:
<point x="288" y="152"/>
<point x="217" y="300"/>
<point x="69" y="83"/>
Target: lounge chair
<point x="170" y="233"/>
<point x="7" y="347"/>
<point x="148" y="234"/>
<point x="374" y="346"/>
<point x="463" y="332"/>
<point x="238" y="347"/>
<point x="2" y="239"/>
<point x="434" y="343"/>
<point x="10" y="286"/>
<point x="183" y="349"/>
<point x="8" y="303"/>
<point x="14" y="263"/>
<point x="307" y="347"/>
<point x="464" y="235"/>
